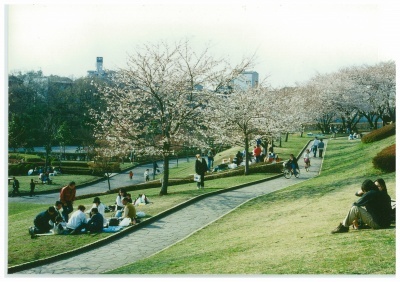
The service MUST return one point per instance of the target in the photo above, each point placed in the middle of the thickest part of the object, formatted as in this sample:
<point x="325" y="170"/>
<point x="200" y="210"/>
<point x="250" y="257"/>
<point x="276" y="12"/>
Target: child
<point x="146" y="175"/>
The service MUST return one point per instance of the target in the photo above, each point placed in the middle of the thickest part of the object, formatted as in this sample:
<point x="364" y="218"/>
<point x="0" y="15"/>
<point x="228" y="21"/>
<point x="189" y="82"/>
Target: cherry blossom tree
<point x="158" y="99"/>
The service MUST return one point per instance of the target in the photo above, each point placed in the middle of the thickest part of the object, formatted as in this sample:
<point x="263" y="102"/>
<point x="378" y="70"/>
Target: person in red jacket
<point x="257" y="153"/>
<point x="67" y="198"/>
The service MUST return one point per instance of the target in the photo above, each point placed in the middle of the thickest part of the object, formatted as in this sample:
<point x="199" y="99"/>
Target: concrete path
<point x="170" y="229"/>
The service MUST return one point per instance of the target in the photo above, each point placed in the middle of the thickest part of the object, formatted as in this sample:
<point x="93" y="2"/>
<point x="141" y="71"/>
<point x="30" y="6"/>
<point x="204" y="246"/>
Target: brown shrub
<point x="385" y="160"/>
<point x="379" y="134"/>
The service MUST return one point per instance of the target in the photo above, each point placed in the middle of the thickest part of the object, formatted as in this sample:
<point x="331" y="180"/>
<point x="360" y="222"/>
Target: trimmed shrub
<point x="70" y="164"/>
<point x="379" y="134"/>
<point x="385" y="160"/>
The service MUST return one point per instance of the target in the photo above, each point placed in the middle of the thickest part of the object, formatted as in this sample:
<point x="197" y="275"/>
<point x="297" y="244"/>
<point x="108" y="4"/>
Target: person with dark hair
<point x="67" y="197"/>
<point x="200" y="169"/>
<point x="129" y="210"/>
<point x="376" y="213"/>
<point x="32" y="186"/>
<point x="96" y="222"/>
<point x="292" y="164"/>
<point x="380" y="183"/>
<point x="101" y="209"/>
<point x="78" y="221"/>
<point x="321" y="146"/>
<point x="15" y="187"/>
<point x="118" y="201"/>
<point x="42" y="222"/>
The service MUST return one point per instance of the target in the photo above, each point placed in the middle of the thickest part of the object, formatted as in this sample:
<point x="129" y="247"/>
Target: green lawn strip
<point x="293" y="146"/>
<point x="21" y="216"/>
<point x="288" y="231"/>
<point x="58" y="182"/>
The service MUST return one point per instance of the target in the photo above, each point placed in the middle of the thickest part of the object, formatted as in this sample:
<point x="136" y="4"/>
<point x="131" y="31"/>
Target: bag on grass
<point x="125" y="222"/>
<point x="113" y="221"/>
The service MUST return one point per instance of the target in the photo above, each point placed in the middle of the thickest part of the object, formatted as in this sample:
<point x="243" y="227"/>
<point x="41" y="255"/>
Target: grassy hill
<point x="288" y="231"/>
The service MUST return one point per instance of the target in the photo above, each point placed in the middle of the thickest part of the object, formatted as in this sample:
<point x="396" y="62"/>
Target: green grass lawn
<point x="288" y="231"/>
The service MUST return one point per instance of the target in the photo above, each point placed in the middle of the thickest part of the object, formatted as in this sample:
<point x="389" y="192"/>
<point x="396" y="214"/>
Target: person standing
<point x="321" y="145"/>
<point x="67" y="197"/>
<point x="32" y="185"/>
<point x="314" y="146"/>
<point x="210" y="159"/>
<point x="146" y="175"/>
<point x="257" y="153"/>
<point x="15" y="187"/>
<point x="200" y="168"/>
<point x="130" y="175"/>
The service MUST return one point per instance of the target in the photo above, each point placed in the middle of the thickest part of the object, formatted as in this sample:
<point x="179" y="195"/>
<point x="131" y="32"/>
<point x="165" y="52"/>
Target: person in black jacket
<point x="95" y="223"/>
<point x="200" y="168"/>
<point x="42" y="222"/>
<point x="376" y="213"/>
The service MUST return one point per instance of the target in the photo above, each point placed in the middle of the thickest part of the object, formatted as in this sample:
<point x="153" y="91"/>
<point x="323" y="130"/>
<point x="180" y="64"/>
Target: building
<point x="99" y="68"/>
<point x="246" y="80"/>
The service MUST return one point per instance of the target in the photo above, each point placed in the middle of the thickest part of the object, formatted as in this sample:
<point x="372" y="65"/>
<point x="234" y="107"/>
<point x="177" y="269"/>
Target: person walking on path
<point x="32" y="186"/>
<point x="314" y="146"/>
<point x="321" y="145"/>
<point x="67" y="197"/>
<point x="200" y="168"/>
<point x="210" y="159"/>
<point x="15" y="187"/>
<point x="130" y="175"/>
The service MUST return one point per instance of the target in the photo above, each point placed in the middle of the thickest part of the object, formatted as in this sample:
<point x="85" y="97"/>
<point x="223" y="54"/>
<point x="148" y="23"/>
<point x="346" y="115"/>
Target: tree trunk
<point x="164" y="186"/>
<point x="287" y="136"/>
<point x="246" y="146"/>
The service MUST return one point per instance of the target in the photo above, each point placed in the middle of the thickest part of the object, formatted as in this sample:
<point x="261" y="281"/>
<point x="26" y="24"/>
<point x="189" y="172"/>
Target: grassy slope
<point x="20" y="216"/>
<point x="288" y="232"/>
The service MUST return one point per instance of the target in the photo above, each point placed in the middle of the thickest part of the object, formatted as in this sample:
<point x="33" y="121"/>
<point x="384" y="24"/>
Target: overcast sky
<point x="293" y="40"/>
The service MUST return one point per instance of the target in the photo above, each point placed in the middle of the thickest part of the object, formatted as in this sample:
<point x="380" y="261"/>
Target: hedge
<point x="70" y="164"/>
<point x="379" y="134"/>
<point x="385" y="160"/>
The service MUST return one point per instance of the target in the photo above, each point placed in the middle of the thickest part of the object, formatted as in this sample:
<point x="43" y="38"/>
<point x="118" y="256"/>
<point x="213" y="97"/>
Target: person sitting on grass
<point x="129" y="211"/>
<point x="96" y="222"/>
<point x="77" y="221"/>
<point x="376" y="213"/>
<point x="42" y="222"/>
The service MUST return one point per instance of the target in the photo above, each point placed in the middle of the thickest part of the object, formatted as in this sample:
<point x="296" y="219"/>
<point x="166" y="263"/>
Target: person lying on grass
<point x="377" y="211"/>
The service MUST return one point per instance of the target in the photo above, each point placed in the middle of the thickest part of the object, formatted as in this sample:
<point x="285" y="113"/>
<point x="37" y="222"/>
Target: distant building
<point x="246" y="80"/>
<point x="99" y="68"/>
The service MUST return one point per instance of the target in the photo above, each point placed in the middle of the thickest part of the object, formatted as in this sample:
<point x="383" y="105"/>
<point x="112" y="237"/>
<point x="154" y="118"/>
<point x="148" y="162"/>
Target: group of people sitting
<point x="80" y="221"/>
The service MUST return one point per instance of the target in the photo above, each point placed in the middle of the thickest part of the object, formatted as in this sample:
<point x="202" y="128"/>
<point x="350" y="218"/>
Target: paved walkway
<point x="170" y="229"/>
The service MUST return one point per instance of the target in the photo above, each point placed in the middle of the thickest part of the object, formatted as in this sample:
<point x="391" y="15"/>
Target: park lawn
<point x="59" y="181"/>
<point x="288" y="231"/>
<point x="293" y="146"/>
<point x="20" y="217"/>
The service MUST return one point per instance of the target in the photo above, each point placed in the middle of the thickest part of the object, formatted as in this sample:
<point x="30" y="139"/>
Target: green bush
<point x="385" y="160"/>
<point x="57" y="163"/>
<point x="379" y="134"/>
<point x="99" y="168"/>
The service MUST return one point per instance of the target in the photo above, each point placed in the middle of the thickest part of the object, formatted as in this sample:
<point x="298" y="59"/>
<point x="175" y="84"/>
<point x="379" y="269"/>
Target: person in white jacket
<point x="77" y="221"/>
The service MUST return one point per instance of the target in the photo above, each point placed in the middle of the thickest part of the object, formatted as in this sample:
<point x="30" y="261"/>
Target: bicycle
<point x="288" y="172"/>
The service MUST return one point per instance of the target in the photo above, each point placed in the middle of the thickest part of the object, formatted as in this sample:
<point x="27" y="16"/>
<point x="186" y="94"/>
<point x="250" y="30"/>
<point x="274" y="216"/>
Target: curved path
<point x="168" y="230"/>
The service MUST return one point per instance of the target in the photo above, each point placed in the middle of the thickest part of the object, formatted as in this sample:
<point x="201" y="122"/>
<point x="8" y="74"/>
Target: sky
<point x="292" y="40"/>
